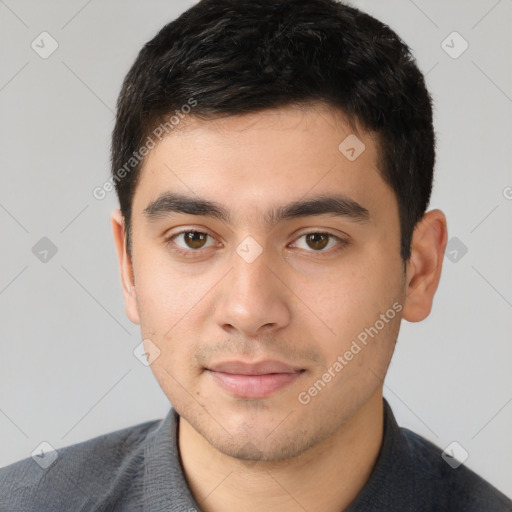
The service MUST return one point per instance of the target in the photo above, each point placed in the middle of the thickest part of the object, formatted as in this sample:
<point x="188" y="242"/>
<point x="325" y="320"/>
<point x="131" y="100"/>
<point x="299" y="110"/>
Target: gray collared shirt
<point x="139" y="469"/>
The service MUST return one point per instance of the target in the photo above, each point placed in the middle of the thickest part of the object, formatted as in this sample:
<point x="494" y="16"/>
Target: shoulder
<point x="77" y="475"/>
<point x="450" y="488"/>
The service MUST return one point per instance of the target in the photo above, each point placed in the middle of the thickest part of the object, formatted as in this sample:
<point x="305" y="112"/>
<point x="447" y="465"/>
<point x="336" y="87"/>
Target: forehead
<point x="266" y="158"/>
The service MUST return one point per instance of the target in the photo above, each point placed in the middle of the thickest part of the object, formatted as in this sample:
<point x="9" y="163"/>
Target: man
<point x="273" y="162"/>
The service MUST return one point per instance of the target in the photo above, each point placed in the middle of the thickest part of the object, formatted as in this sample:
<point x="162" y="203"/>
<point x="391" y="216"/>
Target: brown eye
<point x="320" y="242"/>
<point x="195" y="239"/>
<point x="317" y="241"/>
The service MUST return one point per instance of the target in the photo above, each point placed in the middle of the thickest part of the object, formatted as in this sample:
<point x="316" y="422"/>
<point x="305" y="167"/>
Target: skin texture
<point x="293" y="303"/>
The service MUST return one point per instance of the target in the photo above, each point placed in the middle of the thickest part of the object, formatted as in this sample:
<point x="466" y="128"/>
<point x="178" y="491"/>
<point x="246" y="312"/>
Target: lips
<point x="256" y="380"/>
<point x="261" y="368"/>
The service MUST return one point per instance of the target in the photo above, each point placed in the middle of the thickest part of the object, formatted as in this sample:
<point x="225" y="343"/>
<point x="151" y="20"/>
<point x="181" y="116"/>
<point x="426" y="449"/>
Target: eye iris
<point x="194" y="239"/>
<point x="319" y="240"/>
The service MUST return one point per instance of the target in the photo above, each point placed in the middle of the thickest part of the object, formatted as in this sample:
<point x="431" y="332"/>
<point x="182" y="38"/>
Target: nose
<point x="253" y="297"/>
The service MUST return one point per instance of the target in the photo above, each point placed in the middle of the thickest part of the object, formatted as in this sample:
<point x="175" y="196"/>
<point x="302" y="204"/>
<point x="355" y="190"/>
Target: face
<point x="317" y="287"/>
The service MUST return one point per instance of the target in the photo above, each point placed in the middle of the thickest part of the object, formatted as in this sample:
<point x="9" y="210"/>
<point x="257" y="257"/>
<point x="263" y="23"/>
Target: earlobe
<point x="424" y="266"/>
<point x="125" y="266"/>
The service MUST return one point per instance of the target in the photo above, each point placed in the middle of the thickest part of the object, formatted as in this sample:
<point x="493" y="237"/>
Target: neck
<point x="326" y="478"/>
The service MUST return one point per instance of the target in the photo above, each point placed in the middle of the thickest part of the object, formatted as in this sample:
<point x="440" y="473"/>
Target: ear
<point x="125" y="266"/>
<point x="424" y="266"/>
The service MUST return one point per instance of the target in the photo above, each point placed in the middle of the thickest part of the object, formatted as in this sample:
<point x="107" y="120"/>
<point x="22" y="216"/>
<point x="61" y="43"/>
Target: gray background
<point x="67" y="371"/>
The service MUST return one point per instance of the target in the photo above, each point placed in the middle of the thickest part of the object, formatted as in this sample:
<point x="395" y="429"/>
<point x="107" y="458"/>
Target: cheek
<point x="160" y="309"/>
<point x="358" y="314"/>
<point x="363" y="311"/>
<point x="352" y="298"/>
<point x="164" y="295"/>
<point x="172" y="314"/>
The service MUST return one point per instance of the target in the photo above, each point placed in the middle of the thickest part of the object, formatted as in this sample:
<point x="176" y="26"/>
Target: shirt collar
<point x="165" y="487"/>
<point x="391" y="482"/>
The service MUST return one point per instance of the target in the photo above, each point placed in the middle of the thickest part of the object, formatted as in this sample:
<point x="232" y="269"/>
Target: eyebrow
<point x="338" y="205"/>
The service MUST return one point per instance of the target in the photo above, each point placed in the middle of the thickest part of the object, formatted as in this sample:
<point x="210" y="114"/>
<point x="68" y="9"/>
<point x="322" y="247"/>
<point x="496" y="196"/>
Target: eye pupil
<point x="319" y="240"/>
<point x="195" y="239"/>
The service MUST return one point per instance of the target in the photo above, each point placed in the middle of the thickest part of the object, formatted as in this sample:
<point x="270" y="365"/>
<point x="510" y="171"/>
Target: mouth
<point x="259" y="380"/>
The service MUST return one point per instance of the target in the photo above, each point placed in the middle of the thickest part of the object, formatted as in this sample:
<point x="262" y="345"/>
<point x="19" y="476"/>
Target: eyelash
<point x="189" y="252"/>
